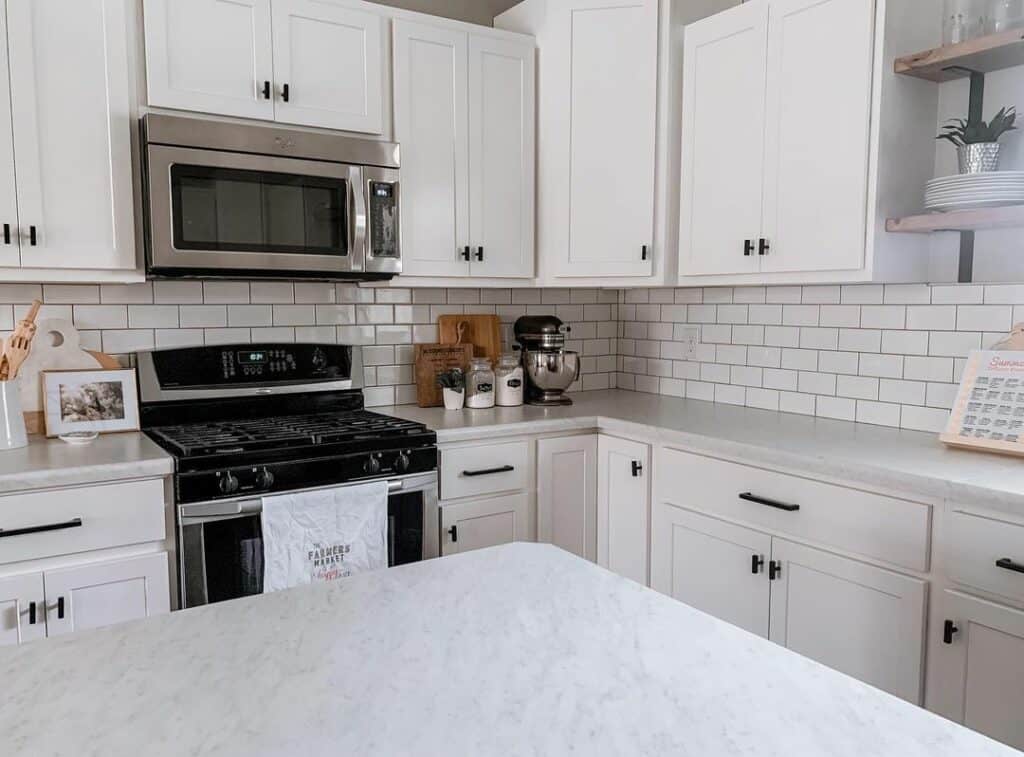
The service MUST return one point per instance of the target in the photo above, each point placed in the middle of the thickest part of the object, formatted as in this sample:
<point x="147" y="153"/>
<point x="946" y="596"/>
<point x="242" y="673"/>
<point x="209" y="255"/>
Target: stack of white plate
<point x="975" y="190"/>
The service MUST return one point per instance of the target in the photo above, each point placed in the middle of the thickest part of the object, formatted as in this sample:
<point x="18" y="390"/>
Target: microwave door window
<point x="231" y="210"/>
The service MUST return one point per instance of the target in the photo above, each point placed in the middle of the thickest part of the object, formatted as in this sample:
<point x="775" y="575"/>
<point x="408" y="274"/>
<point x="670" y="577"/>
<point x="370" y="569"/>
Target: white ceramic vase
<point x="12" y="419"/>
<point x="453" y="400"/>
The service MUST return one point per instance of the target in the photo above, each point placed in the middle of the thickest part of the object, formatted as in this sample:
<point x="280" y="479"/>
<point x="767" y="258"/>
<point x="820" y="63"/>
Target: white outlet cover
<point x="690" y="338"/>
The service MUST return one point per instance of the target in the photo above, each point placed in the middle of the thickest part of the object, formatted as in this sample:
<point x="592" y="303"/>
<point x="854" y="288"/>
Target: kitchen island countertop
<point x="517" y="650"/>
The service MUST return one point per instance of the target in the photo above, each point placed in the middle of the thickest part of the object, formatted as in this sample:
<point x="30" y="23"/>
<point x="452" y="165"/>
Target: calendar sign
<point x="989" y="409"/>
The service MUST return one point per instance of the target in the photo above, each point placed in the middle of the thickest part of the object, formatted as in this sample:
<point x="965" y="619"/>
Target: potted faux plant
<point x="453" y="386"/>
<point x="977" y="142"/>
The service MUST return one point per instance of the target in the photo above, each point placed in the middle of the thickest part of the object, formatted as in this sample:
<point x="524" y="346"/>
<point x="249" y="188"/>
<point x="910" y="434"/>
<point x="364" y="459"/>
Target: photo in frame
<point x="101" y="401"/>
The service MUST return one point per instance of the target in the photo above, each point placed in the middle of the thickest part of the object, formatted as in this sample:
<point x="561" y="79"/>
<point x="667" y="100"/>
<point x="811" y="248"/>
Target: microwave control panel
<point x="383" y="219"/>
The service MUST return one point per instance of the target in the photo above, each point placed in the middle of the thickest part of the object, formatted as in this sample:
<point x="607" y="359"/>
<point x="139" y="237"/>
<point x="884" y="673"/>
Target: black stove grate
<point x="284" y="432"/>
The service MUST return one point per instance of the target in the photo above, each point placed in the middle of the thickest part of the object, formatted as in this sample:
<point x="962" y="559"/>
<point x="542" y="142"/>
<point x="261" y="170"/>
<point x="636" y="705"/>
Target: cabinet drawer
<point x="987" y="553"/>
<point x="885" y="528"/>
<point x="65" y="521"/>
<point x="487" y="469"/>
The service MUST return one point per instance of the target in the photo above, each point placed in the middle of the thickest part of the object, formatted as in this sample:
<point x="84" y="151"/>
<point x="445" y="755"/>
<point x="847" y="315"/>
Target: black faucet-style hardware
<point x="756" y="564"/>
<point x="747" y="496"/>
<point x="948" y="629"/>
<point x="774" y="569"/>
<point x="638" y="468"/>
<point x="488" y="471"/>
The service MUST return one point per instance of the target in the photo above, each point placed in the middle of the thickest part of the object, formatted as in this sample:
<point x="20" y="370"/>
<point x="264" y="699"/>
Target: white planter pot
<point x="453" y="400"/>
<point x="979" y="158"/>
<point x="12" y="420"/>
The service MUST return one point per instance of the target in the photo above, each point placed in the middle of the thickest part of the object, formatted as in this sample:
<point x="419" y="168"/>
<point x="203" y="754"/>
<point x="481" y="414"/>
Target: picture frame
<point x="100" y="400"/>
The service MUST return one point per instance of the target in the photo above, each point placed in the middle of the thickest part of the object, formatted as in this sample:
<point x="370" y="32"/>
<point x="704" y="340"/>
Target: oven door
<point x="213" y="213"/>
<point x="220" y="543"/>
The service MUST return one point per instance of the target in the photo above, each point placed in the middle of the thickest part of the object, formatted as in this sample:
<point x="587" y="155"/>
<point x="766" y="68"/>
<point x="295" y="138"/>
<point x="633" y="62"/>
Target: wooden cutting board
<point x="482" y="331"/>
<point x="432" y="359"/>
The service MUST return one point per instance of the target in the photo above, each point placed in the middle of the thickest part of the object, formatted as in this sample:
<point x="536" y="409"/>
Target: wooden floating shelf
<point x="1008" y="217"/>
<point x="982" y="55"/>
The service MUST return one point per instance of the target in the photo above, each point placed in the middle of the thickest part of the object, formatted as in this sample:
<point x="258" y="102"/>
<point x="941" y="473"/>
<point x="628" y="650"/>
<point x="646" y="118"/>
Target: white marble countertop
<point x="913" y="463"/>
<point x="517" y="650"/>
<point x="46" y="463"/>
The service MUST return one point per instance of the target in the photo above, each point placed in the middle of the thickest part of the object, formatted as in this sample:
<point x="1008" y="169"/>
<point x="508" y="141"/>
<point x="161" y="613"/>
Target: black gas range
<point x="257" y="419"/>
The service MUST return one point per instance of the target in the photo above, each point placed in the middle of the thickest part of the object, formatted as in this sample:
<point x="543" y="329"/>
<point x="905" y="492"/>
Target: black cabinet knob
<point x="763" y="246"/>
<point x="748" y="247"/>
<point x="756" y="564"/>
<point x="774" y="569"/>
<point x="454" y="533"/>
<point x="480" y="253"/>
<point x="265" y="90"/>
<point x="285" y="93"/>
<point x="466" y="253"/>
<point x="949" y="628"/>
<point x="7" y="233"/>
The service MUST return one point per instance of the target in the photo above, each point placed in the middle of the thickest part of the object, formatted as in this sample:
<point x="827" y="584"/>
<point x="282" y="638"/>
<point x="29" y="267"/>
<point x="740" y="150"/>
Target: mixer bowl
<point x="552" y="372"/>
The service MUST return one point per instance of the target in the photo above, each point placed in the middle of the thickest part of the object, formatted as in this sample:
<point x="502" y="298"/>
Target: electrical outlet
<point x="690" y="339"/>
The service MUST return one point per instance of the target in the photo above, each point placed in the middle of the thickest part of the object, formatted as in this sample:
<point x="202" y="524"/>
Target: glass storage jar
<point x="1005" y="15"/>
<point x="509" y="381"/>
<point x="480" y="384"/>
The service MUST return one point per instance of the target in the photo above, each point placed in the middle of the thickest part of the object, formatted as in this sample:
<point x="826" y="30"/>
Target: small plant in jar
<point x="977" y="142"/>
<point x="453" y="388"/>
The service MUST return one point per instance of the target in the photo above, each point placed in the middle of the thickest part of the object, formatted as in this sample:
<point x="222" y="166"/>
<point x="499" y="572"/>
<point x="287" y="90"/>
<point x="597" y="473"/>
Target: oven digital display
<point x="252" y="357"/>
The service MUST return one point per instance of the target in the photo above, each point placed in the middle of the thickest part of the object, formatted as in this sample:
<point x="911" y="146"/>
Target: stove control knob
<point x="402" y="462"/>
<point x="228" y="483"/>
<point x="264" y="479"/>
<point x="372" y="465"/>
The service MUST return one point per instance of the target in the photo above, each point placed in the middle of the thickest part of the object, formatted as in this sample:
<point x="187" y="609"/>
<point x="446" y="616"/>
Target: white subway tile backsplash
<point x="882" y="366"/>
<point x="100" y="316"/>
<point x="294" y="315"/>
<point x="862" y="294"/>
<point x="764" y="399"/>
<point x="316" y="293"/>
<point x="770" y="315"/>
<point x="819" y="338"/>
<point x="928" y="368"/>
<point x="820" y="295"/>
<point x="792" y="402"/>
<point x="958" y="294"/>
<point x="905" y="342"/>
<point x="271" y="292"/>
<point x="178" y="292"/>
<point x="816" y="383"/>
<point x="800" y="360"/>
<point x="838" y="362"/>
<point x="15" y="293"/>
<point x="984" y="317"/>
<point x="883" y="316"/>
<point x="847" y="316"/>
<point x="782" y="336"/>
<point x="153" y="316"/>
<point x="785" y="380"/>
<point x="203" y="316"/>
<point x="901" y="392"/>
<point x="250" y="315"/>
<point x="272" y="334"/>
<point x="71" y="294"/>
<point x="857" y="387"/>
<point x="228" y="336"/>
<point x="840" y="408"/>
<point x="907" y="294"/>
<point x="878" y="413"/>
<point x="126" y="294"/>
<point x="226" y="292"/>
<point x="953" y="343"/>
<point x="860" y="340"/>
<point x="170" y="338"/>
<point x="343" y="315"/>
<point x="800" y="315"/>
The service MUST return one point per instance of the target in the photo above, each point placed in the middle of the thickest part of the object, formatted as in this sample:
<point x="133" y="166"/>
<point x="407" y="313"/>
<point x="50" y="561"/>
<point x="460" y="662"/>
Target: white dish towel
<point x="324" y="535"/>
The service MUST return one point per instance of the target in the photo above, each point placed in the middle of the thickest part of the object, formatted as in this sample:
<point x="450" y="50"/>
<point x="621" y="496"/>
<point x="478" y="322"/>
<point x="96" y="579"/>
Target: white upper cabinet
<point x="463" y="106"/>
<point x="70" y="117"/>
<point x="210" y="55"/>
<point x="723" y="141"/>
<point x="293" y="61"/>
<point x="327" y="65"/>
<point x="10" y="241"/>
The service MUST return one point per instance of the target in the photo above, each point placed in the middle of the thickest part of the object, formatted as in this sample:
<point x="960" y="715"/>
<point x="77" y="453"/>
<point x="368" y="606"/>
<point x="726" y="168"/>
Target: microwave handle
<point x="358" y="246"/>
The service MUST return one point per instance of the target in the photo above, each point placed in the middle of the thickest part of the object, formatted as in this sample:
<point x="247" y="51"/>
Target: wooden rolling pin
<point x="17" y="346"/>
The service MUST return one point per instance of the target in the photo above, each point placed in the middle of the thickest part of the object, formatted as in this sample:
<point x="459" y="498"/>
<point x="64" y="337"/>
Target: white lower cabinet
<point x="859" y="619"/>
<point x="982" y="665"/>
<point x="480" y="523"/>
<point x="567" y="493"/>
<point x="22" y="615"/>
<point x="623" y="503"/>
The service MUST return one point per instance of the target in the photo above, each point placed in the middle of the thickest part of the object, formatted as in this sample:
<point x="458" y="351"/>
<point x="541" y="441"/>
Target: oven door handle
<point x="228" y="508"/>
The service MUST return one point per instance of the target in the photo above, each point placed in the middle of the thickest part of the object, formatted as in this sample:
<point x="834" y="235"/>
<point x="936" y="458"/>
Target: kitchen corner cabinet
<point x="290" y="61"/>
<point x="623" y="505"/>
<point x="92" y="595"/>
<point x="464" y="115"/>
<point x="65" y="137"/>
<point x="567" y="473"/>
<point x="480" y="523"/>
<point x="981" y="661"/>
<point x="862" y="620"/>
<point x="790" y="162"/>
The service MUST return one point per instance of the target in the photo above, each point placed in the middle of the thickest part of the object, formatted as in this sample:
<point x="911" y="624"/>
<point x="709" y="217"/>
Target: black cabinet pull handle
<point x="32" y="235"/>
<point x="73" y="523"/>
<point x="489" y="471"/>
<point x="748" y="247"/>
<point x="638" y="468"/>
<point x="643" y="252"/>
<point x="763" y="247"/>
<point x="769" y="502"/>
<point x="285" y="92"/>
<point x="1007" y="564"/>
<point x="480" y="253"/>
<point x="756" y="564"/>
<point x="7" y="233"/>
<point x="265" y="91"/>
<point x="774" y="569"/>
<point x="465" y="253"/>
<point x="948" y="629"/>
<point x="60" y="608"/>
<point x="31" y="613"/>
<point x="454" y="533"/>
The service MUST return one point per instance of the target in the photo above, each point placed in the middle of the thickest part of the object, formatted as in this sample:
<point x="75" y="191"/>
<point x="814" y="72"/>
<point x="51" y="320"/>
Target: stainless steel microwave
<point x="231" y="200"/>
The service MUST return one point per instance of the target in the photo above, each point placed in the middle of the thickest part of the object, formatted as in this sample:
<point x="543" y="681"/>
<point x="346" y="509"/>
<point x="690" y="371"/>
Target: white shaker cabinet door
<point x="484" y="523"/>
<point x="22" y="609"/>
<point x="815" y="179"/>
<point x="982" y="666"/>
<point x="501" y="156"/>
<point x="861" y="620"/>
<point x="212" y="56"/>
<point x="102" y="594"/>
<point x="613" y="73"/>
<point x="723" y="141"/>
<point x="328" y="66"/>
<point x="10" y="241"/>
<point x="567" y="494"/>
<point x="431" y="91"/>
<point x="711" y="565"/>
<point x="70" y="99"/>
<point x="623" y="505"/>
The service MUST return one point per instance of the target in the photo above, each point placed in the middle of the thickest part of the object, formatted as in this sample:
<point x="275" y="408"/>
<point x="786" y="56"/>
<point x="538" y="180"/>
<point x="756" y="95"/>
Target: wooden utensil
<point x="432" y="359"/>
<point x="482" y="331"/>
<point x="18" y="344"/>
